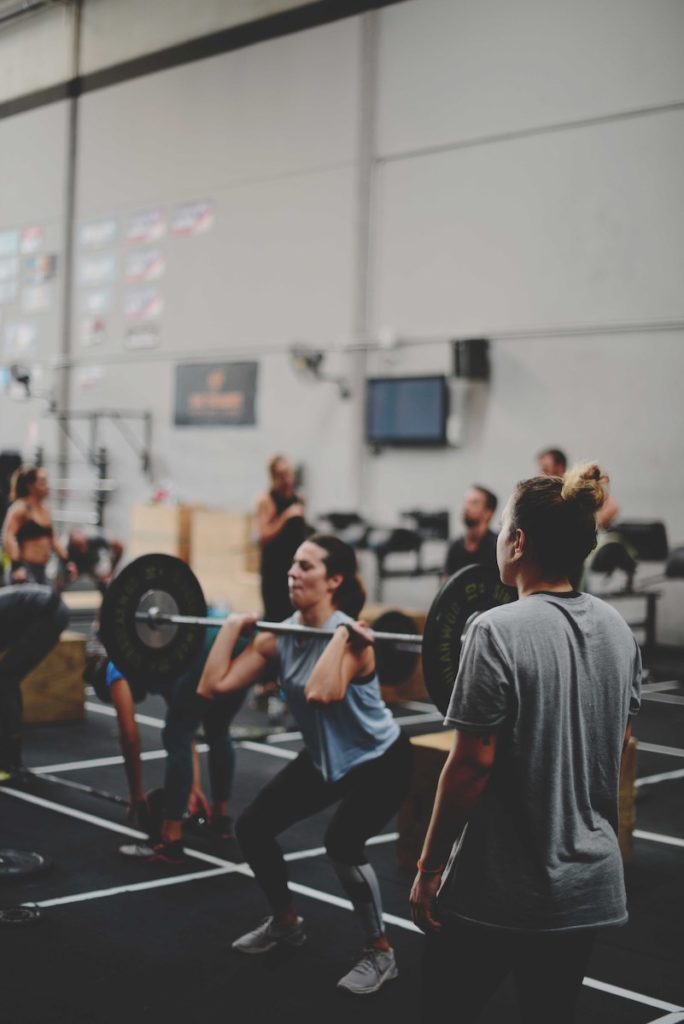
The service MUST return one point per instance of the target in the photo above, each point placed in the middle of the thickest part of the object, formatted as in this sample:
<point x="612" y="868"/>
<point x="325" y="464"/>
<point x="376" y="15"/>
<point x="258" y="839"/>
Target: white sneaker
<point x="270" y="934"/>
<point x="275" y="709"/>
<point x="373" y="969"/>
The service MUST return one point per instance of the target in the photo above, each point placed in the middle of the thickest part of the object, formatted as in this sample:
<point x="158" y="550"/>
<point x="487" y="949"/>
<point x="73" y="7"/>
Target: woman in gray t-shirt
<point x="354" y="755"/>
<point x="521" y="863"/>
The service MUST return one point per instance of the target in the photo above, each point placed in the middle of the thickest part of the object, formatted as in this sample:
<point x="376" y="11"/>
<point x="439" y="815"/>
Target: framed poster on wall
<point x="215" y="394"/>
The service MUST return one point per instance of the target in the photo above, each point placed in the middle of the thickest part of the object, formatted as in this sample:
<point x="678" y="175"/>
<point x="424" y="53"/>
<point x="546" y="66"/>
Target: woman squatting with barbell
<point x="354" y="753"/>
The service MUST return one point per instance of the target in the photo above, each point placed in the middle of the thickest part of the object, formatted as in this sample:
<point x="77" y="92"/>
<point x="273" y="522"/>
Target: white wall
<point x="526" y="170"/>
<point x="32" y="192"/>
<point x="37" y="50"/>
<point x="508" y="216"/>
<point x="106" y="30"/>
<point x="276" y="268"/>
<point x="457" y="70"/>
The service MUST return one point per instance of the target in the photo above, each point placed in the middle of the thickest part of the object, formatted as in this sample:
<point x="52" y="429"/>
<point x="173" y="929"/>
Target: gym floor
<point x="123" y="941"/>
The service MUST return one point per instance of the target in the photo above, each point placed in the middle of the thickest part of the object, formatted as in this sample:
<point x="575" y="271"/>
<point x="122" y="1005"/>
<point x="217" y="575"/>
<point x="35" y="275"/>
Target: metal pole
<point x="63" y="388"/>
<point x="154" y="618"/>
<point x="81" y="787"/>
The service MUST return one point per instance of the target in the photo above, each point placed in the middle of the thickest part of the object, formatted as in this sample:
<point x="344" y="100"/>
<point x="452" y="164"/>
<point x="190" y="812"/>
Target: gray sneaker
<point x="373" y="969"/>
<point x="270" y="934"/>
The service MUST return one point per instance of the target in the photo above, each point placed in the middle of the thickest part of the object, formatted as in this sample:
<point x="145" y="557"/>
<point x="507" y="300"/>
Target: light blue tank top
<point x="341" y="735"/>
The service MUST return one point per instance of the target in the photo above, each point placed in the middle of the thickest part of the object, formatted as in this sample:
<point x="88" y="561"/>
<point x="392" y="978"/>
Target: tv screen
<point x="407" y="410"/>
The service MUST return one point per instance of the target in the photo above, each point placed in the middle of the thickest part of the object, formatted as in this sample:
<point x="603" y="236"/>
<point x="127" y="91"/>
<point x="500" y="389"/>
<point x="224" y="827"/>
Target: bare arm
<point x="225" y="674"/>
<point x="339" y="664"/>
<point x="16" y="515"/>
<point x="461" y="784"/>
<point x="59" y="549"/>
<point x="197" y="801"/>
<point x="267" y="523"/>
<point x="62" y="553"/>
<point x="628" y="736"/>
<point x="116" y="551"/>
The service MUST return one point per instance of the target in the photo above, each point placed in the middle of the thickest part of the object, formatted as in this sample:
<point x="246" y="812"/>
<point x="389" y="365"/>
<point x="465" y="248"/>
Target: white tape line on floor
<point x="664" y="698"/>
<point x="228" y="867"/>
<point x="656" y="837"/>
<point x="626" y="993"/>
<point x="657" y="748"/>
<point x="650" y="780"/>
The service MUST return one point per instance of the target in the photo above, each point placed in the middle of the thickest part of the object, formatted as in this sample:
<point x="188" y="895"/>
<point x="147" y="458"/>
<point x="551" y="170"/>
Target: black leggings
<point x="185" y="713"/>
<point x="463" y="965"/>
<point x="368" y="796"/>
<point x="31" y="619"/>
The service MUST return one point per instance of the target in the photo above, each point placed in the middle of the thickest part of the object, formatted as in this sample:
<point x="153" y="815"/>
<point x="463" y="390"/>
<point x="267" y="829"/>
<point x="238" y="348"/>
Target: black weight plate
<point x="472" y="589"/>
<point x="393" y="665"/>
<point x="142" y="664"/>
<point x="15" y="864"/>
<point x="19" y="916"/>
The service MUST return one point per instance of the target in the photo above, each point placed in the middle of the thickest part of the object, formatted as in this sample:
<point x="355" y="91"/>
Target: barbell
<point x="154" y="615"/>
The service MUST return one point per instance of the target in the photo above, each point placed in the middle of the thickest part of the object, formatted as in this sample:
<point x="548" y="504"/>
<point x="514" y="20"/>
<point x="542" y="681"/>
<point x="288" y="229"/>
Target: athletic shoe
<point x="372" y="970"/>
<point x="168" y="853"/>
<point x="157" y="853"/>
<point x="136" y="851"/>
<point x="269" y="935"/>
<point x="222" y="827"/>
<point x="16" y="775"/>
<point x="276" y="710"/>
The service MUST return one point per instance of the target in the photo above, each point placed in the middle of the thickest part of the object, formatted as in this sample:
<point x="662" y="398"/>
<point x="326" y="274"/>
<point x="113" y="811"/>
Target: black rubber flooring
<point x="120" y="941"/>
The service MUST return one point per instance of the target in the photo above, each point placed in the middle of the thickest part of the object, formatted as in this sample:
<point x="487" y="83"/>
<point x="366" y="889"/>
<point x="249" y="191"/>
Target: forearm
<point x="130" y="749"/>
<point x="459" y="789"/>
<point x="217" y="666"/>
<point x="11" y="546"/>
<point x="196" y="770"/>
<point x="626" y="739"/>
<point x="220" y="656"/>
<point x="268" y="530"/>
<point x="60" y="550"/>
<point x="327" y="682"/>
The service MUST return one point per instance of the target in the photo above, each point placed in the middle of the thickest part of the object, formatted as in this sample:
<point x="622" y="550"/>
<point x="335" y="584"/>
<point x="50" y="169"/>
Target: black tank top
<point x="276" y="559"/>
<point x="31" y="530"/>
<point x="282" y="503"/>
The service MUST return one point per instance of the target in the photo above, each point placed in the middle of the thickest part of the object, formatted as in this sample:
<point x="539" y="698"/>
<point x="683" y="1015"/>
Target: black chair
<point x="430" y="525"/>
<point x="647" y="537"/>
<point x="348" y="526"/>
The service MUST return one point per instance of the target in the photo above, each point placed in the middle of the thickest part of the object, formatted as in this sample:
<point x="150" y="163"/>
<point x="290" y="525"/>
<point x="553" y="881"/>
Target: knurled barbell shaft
<point x="152" y="618"/>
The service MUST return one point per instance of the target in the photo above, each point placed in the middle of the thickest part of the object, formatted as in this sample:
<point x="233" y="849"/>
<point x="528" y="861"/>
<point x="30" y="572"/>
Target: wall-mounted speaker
<point x="471" y="358"/>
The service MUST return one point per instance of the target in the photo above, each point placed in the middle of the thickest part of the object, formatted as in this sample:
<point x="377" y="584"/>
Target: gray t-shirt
<point x="556" y="677"/>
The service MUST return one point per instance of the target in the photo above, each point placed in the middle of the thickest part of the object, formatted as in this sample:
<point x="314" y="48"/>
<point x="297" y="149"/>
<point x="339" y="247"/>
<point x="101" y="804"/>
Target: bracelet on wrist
<point x="429" y="871"/>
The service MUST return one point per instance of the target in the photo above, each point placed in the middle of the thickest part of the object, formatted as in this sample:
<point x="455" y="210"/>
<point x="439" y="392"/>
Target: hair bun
<point x="587" y="484"/>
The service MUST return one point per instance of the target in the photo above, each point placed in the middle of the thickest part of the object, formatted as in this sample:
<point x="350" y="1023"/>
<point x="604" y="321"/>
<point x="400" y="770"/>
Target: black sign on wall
<point x="215" y="394"/>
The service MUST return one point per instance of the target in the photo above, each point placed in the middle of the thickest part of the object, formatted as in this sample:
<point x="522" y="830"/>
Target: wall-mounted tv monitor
<point x="407" y="410"/>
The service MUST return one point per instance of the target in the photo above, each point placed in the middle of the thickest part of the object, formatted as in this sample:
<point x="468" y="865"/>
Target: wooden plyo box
<point x="55" y="691"/>
<point x="219" y="542"/>
<point x="160" y="528"/>
<point x="431" y="751"/>
<point x="85" y="601"/>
